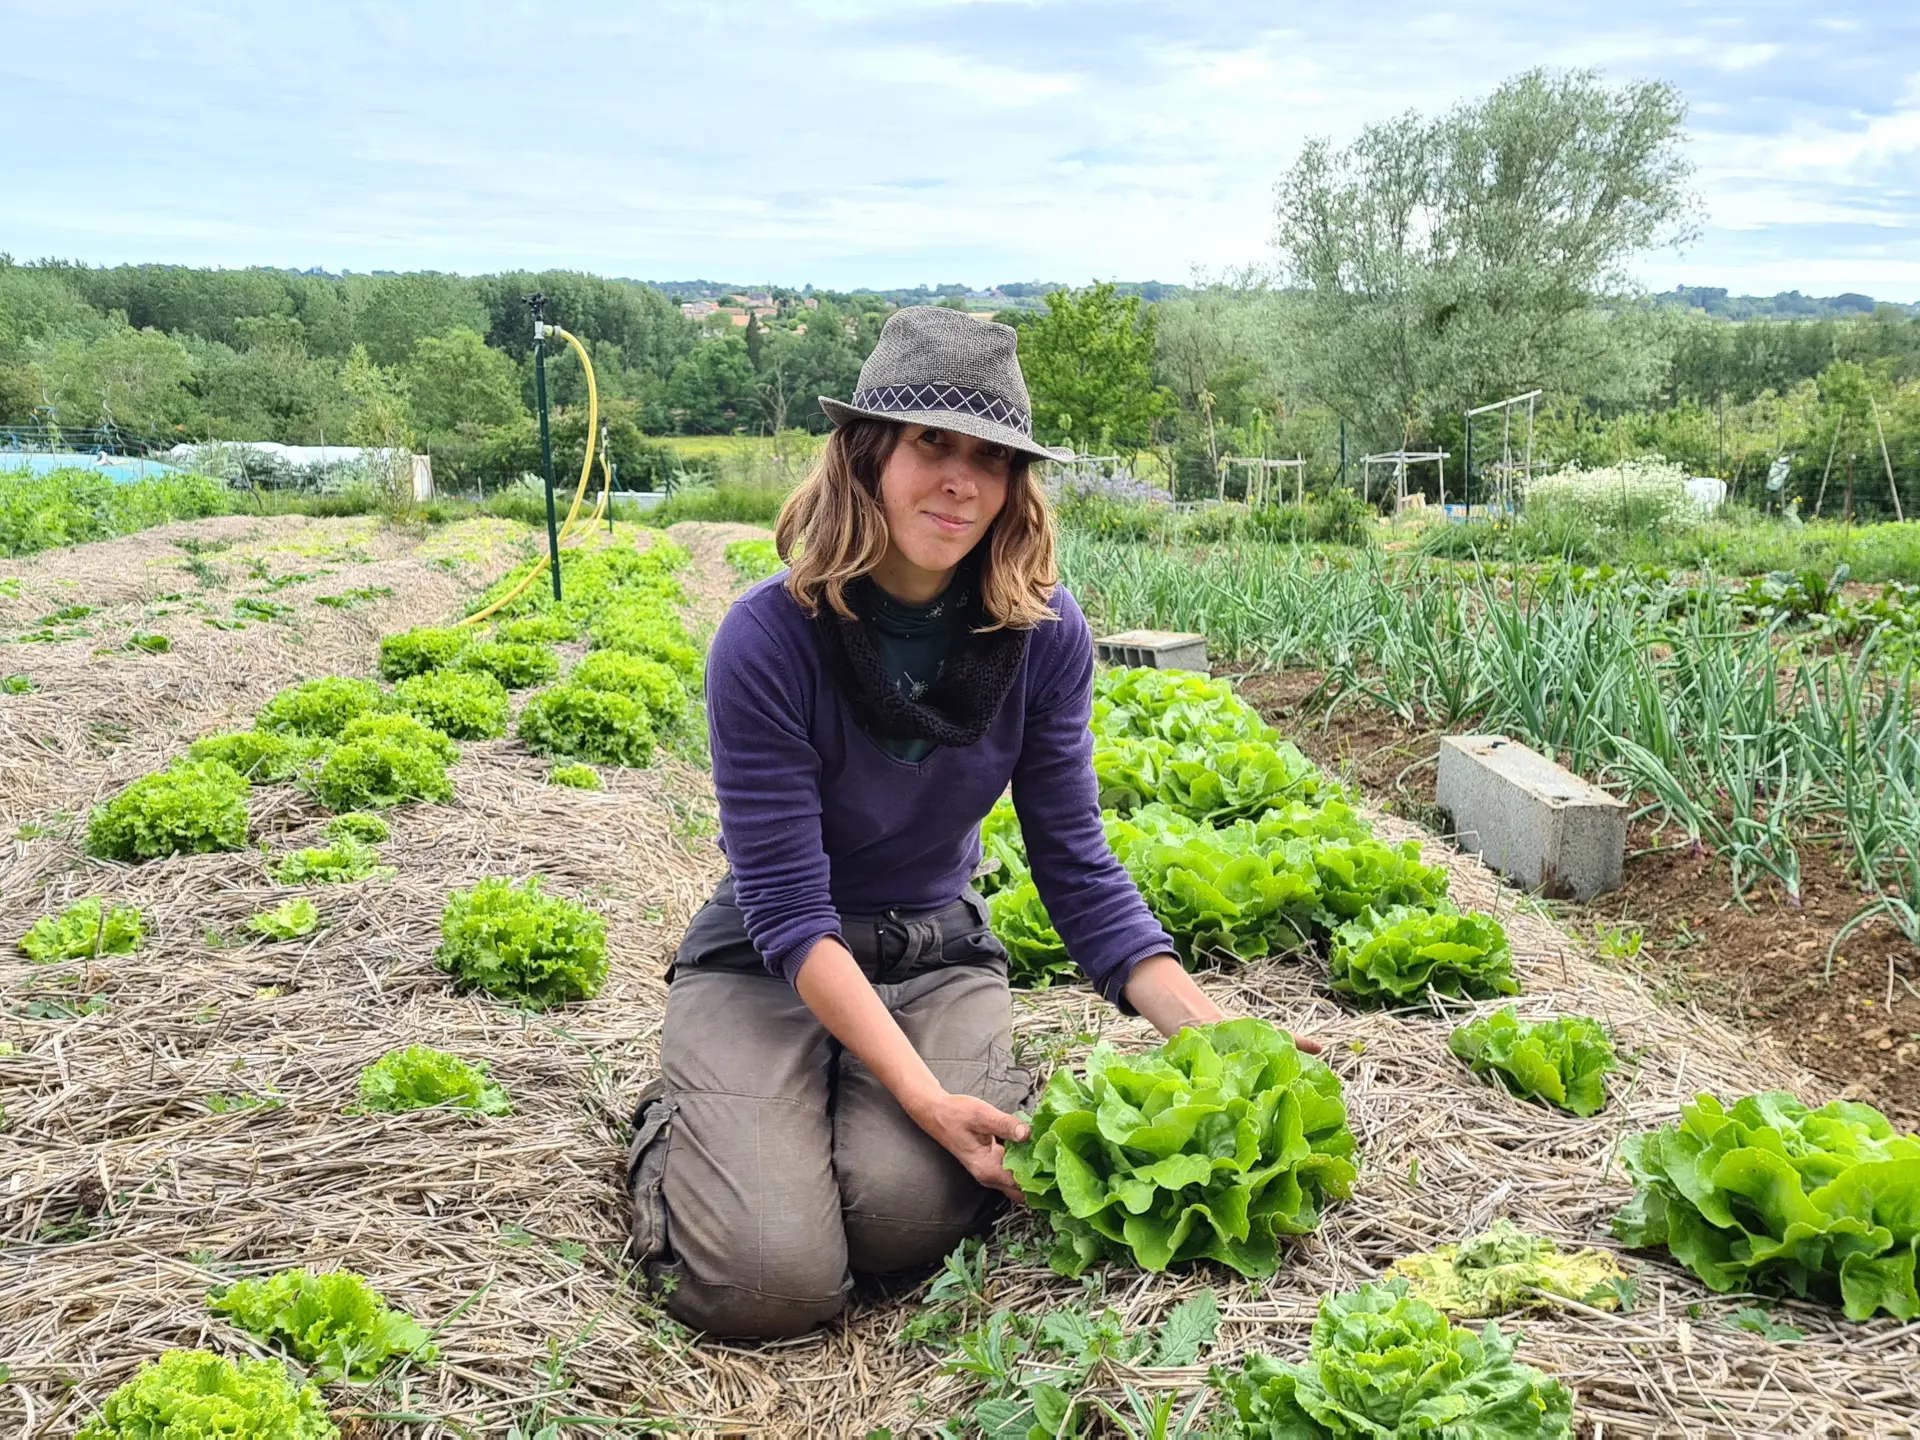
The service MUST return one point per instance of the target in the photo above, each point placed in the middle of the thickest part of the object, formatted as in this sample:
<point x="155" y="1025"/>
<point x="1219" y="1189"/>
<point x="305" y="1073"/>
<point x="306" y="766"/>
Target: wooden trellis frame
<point x="1400" y="460"/>
<point x="1260" y="473"/>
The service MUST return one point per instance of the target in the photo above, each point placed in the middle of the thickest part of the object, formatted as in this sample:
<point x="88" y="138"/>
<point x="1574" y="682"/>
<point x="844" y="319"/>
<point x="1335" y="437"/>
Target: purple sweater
<point x="816" y="819"/>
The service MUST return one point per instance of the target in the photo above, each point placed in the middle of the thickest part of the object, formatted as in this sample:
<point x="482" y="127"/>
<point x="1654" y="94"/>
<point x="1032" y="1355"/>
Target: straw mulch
<point x="127" y="1197"/>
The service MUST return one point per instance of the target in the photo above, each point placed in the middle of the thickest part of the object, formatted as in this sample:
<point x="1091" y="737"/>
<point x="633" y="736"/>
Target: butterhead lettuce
<point x="1563" y="1061"/>
<point x="1386" y="1366"/>
<point x="1214" y="1146"/>
<point x="1769" y="1195"/>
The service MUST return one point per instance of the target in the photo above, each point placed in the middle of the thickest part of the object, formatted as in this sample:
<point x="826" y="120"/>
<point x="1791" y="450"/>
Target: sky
<point x="891" y="142"/>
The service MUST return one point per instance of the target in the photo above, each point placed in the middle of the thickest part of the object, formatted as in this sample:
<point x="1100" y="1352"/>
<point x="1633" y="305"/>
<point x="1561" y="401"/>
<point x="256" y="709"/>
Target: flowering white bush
<point x="1635" y="494"/>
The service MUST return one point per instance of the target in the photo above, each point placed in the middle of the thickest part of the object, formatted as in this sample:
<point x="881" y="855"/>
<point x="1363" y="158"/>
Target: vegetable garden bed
<point x="187" y="1115"/>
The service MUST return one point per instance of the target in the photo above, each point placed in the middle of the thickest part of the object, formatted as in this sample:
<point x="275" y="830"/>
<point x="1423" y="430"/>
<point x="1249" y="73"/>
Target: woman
<point x="836" y="1063"/>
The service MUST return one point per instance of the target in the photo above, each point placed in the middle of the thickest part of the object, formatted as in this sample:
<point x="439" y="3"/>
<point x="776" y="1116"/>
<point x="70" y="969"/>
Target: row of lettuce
<point x="355" y="746"/>
<point x="1226" y="1140"/>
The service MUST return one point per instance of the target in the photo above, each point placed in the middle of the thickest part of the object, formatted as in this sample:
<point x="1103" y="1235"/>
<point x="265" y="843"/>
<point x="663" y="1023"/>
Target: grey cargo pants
<point x="767" y="1163"/>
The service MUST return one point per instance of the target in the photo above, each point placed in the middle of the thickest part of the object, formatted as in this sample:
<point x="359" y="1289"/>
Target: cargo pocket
<point x="646" y="1172"/>
<point x="1009" y="1087"/>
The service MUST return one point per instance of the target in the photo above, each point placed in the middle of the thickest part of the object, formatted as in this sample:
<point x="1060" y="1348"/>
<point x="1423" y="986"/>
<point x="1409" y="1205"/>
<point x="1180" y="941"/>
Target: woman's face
<point x="940" y="490"/>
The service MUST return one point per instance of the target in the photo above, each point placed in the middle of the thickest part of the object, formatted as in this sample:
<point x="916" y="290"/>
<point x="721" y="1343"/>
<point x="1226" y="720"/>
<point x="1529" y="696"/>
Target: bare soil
<point x="1762" y="964"/>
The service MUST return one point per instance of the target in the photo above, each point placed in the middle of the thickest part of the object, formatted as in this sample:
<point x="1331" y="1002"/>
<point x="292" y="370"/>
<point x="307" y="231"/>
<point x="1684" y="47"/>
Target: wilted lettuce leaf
<point x="1504" y="1268"/>
<point x="1562" y="1061"/>
<point x="1769" y="1195"/>
<point x="1386" y="1366"/>
<point x="1213" y="1146"/>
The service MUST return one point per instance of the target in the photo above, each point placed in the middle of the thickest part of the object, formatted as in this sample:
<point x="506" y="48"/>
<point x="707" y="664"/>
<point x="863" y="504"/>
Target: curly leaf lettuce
<point x="1214" y="1146"/>
<point x="1395" y="958"/>
<point x="1771" y="1195"/>
<point x="1386" y="1366"/>
<point x="1563" y="1061"/>
<point x="197" y="1395"/>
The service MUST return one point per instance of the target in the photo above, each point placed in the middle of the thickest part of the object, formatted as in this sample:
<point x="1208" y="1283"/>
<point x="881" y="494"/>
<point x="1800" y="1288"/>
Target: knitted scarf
<point x="957" y="708"/>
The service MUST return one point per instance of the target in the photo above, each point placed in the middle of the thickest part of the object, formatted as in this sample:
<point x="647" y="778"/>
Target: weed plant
<point x="70" y="507"/>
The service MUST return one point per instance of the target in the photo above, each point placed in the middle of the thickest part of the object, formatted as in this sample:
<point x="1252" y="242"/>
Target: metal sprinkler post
<point x="538" y="304"/>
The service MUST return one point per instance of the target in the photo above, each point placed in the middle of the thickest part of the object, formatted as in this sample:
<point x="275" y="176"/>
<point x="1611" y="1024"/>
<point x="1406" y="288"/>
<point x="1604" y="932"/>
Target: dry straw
<point x="124" y="1197"/>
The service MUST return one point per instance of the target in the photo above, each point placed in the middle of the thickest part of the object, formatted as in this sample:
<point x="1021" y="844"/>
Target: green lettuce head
<point x="1389" y="1367"/>
<point x="1213" y="1146"/>
<point x="1770" y="1195"/>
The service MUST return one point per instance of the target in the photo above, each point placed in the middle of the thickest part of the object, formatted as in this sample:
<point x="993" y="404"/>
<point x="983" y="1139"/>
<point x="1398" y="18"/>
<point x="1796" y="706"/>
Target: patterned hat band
<point x="958" y="399"/>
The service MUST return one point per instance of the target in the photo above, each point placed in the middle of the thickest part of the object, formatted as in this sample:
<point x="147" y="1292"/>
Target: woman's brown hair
<point x="832" y="531"/>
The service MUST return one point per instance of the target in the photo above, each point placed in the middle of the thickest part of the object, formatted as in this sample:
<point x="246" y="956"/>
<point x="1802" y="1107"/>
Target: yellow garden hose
<point x="580" y="491"/>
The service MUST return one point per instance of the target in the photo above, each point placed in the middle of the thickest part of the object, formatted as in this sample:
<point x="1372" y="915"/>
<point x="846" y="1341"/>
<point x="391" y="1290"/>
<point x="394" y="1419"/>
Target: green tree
<point x="393" y="313"/>
<point x="712" y="390"/>
<point x="456" y="382"/>
<point x="1454" y="260"/>
<point x="138" y="380"/>
<point x="382" y="418"/>
<point x="1089" y="368"/>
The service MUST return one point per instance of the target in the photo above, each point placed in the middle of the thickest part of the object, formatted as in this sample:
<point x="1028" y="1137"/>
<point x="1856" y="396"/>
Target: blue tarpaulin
<point x="113" y="467"/>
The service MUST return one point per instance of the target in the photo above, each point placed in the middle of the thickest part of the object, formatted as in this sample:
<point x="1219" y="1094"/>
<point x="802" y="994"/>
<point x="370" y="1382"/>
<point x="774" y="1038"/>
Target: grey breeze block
<point x="1159" y="649"/>
<point x="1538" y="824"/>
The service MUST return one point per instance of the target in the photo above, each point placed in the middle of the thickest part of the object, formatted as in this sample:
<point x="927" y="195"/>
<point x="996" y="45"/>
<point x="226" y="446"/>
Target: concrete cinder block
<point x="1159" y="649"/>
<point x="1539" y="825"/>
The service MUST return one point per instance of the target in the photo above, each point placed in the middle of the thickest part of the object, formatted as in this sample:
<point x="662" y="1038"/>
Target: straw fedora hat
<point x="935" y="366"/>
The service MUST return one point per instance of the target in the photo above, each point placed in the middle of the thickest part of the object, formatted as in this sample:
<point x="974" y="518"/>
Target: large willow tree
<point x="1448" y="261"/>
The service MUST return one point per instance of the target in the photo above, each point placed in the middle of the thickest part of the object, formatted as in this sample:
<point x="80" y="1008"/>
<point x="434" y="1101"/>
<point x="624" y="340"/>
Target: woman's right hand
<point x="975" y="1134"/>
